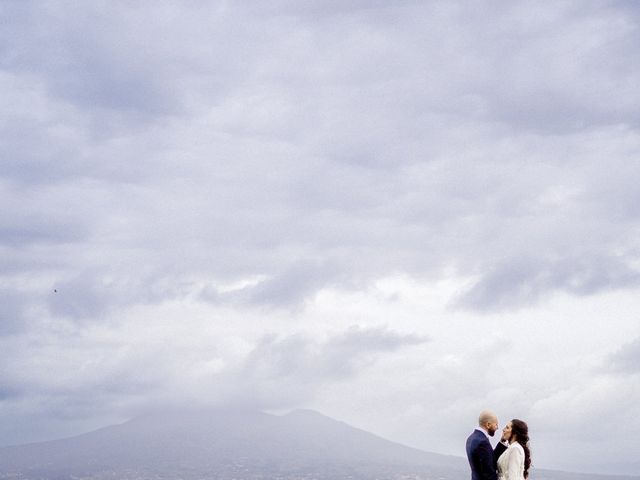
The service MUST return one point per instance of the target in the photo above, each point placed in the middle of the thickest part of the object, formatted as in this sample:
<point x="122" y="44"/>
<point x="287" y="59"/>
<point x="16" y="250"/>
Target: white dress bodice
<point x="511" y="463"/>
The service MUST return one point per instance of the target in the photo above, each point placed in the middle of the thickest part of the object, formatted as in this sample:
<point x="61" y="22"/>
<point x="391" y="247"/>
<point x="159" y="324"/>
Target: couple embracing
<point x="511" y="458"/>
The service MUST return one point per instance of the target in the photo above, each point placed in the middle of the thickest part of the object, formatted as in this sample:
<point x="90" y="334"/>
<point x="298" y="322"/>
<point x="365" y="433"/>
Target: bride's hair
<point x="521" y="431"/>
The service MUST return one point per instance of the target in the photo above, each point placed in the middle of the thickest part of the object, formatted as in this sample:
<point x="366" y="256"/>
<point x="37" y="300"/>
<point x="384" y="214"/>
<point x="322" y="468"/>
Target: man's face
<point x="492" y="426"/>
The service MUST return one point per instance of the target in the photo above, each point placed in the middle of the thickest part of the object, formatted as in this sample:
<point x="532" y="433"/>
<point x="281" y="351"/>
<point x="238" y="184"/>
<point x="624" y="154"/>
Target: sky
<point x="395" y="213"/>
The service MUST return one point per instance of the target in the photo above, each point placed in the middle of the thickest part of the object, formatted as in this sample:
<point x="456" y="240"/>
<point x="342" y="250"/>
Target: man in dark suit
<point x="481" y="455"/>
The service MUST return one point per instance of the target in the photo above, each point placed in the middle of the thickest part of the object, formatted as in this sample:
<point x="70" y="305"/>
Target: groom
<point x="482" y="457"/>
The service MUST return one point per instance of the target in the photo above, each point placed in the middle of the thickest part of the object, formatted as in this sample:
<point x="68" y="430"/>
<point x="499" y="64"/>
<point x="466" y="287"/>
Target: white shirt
<point x="511" y="463"/>
<point x="486" y="434"/>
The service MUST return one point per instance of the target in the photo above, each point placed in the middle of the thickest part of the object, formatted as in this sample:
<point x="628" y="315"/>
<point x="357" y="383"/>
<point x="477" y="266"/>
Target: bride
<point x="514" y="463"/>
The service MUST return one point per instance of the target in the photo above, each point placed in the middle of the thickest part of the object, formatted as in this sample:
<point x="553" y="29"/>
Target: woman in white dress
<point x="514" y="463"/>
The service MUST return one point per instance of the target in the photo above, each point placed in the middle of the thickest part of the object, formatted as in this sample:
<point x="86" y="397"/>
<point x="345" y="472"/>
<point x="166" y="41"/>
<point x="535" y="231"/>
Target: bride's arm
<point x="515" y="465"/>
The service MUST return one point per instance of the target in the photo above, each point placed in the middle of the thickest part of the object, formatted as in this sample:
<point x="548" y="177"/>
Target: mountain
<point x="233" y="444"/>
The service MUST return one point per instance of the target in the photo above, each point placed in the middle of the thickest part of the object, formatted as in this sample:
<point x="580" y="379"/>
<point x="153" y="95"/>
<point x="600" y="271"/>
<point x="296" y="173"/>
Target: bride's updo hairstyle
<point x="521" y="430"/>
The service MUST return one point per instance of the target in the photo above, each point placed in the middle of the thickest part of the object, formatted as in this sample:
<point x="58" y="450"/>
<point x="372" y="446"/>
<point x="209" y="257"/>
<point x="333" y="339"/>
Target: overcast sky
<point x="395" y="213"/>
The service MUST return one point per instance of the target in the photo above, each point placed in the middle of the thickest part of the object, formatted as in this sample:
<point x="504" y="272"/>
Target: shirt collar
<point x="486" y="434"/>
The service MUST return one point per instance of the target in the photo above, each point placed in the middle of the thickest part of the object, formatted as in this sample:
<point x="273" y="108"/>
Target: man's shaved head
<point x="489" y="421"/>
<point x="487" y="416"/>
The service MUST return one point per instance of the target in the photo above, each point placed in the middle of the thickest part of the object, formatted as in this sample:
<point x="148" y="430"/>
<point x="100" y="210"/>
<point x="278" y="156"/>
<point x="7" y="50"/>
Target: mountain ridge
<point x="239" y="444"/>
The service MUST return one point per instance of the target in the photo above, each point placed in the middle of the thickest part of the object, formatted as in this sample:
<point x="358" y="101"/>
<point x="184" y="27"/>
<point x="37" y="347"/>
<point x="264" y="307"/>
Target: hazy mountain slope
<point x="208" y="440"/>
<point x="226" y="444"/>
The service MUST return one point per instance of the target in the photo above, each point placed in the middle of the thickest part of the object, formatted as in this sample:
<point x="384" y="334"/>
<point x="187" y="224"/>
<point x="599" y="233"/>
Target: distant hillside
<point x="233" y="444"/>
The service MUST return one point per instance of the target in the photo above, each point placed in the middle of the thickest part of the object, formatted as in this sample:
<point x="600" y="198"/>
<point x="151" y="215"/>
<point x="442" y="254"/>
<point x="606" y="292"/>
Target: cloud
<point x="100" y="373"/>
<point x="627" y="359"/>
<point x="300" y="366"/>
<point x="193" y="178"/>
<point x="523" y="281"/>
<point x="292" y="285"/>
<point x="312" y="165"/>
<point x="14" y="305"/>
<point x="19" y="231"/>
<point x="82" y="63"/>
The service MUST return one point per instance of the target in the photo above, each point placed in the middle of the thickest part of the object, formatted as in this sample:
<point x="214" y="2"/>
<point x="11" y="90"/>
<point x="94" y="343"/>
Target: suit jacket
<point x="482" y="457"/>
<point x="499" y="450"/>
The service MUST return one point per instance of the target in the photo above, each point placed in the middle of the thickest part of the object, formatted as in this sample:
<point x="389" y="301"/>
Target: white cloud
<point x="627" y="359"/>
<point x="193" y="179"/>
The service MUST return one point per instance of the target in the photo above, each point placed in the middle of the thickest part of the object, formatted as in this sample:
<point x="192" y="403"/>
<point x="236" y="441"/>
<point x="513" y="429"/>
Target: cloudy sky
<point x="395" y="213"/>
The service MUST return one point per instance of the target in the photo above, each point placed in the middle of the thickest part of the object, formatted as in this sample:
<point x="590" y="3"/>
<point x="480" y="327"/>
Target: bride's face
<point x="506" y="432"/>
